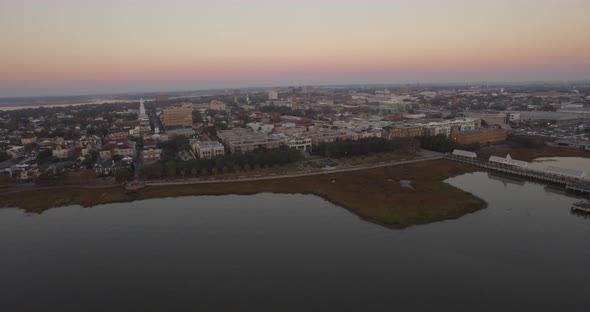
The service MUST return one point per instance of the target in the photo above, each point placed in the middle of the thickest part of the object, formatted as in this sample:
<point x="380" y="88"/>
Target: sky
<point x="74" y="47"/>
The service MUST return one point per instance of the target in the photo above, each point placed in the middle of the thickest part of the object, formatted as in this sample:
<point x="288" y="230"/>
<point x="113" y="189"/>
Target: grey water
<point x="273" y="252"/>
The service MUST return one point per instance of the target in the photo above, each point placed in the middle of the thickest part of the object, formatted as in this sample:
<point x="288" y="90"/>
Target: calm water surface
<point x="270" y="252"/>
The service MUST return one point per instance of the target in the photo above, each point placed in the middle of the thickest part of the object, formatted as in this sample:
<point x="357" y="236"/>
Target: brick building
<point x="406" y="131"/>
<point x="483" y="136"/>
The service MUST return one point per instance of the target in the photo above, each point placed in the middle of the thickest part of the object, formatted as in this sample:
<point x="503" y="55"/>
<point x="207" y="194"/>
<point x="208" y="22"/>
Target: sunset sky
<point x="63" y="47"/>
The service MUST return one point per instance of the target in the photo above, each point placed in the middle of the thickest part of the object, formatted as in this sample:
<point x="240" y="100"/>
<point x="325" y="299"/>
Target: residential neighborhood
<point x="118" y="141"/>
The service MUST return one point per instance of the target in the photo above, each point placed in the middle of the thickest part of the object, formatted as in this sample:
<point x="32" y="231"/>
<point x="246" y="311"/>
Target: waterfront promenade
<point x="287" y="175"/>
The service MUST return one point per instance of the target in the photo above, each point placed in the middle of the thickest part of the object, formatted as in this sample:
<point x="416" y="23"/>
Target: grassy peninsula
<point x="374" y="194"/>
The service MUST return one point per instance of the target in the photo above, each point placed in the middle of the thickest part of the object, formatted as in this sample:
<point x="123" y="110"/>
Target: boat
<point x="582" y="206"/>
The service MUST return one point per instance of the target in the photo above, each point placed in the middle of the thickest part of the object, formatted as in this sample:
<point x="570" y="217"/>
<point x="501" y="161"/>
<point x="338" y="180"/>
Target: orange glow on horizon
<point x="69" y="42"/>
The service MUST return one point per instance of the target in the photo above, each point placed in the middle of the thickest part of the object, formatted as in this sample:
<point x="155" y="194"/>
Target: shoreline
<point x="372" y="194"/>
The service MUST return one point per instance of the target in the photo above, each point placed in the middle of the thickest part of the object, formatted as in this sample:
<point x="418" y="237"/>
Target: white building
<point x="273" y="95"/>
<point x="513" y="117"/>
<point x="509" y="161"/>
<point x="63" y="152"/>
<point x="208" y="149"/>
<point x="298" y="143"/>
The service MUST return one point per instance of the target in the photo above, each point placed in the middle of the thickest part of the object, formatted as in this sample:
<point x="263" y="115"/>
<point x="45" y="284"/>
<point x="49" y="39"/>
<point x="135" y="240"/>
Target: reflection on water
<point x="277" y="252"/>
<point x="506" y="178"/>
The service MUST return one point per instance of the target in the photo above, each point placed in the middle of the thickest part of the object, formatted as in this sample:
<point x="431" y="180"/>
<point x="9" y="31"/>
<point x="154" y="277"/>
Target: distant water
<point x="94" y="102"/>
<point x="276" y="252"/>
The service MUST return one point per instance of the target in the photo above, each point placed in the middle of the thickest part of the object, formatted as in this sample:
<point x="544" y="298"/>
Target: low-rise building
<point x="151" y="154"/>
<point x="28" y="138"/>
<point x="330" y="136"/>
<point x="406" y="131"/>
<point x="208" y="149"/>
<point x="63" y="151"/>
<point x="483" y="136"/>
<point x="109" y="167"/>
<point x="300" y="143"/>
<point x="124" y="148"/>
<point x="240" y="140"/>
<point x="490" y="118"/>
<point x="553" y="118"/>
<point x="257" y="126"/>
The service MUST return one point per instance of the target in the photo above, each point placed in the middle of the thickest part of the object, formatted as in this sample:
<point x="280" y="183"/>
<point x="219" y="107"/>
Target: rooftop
<point x="209" y="144"/>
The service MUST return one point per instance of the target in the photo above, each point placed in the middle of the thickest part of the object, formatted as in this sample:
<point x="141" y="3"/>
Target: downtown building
<point x="490" y="118"/>
<point x="178" y="115"/>
<point x="241" y="140"/>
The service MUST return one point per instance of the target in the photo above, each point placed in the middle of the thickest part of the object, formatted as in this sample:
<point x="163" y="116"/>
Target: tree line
<point x="443" y="144"/>
<point x="349" y="148"/>
<point x="221" y="164"/>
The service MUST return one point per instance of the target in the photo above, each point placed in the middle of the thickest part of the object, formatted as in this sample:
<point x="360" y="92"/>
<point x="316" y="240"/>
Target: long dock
<point x="570" y="184"/>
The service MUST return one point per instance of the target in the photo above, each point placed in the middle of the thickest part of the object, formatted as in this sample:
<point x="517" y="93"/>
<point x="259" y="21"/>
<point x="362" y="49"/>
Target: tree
<point x="44" y="157"/>
<point x="146" y="172"/>
<point x="117" y="157"/>
<point x="197" y="116"/>
<point x="90" y="158"/>
<point x="170" y="168"/>
<point x="123" y="175"/>
<point x="440" y="143"/>
<point x="351" y="148"/>
<point x="157" y="170"/>
<point x="31" y="147"/>
<point x="50" y="177"/>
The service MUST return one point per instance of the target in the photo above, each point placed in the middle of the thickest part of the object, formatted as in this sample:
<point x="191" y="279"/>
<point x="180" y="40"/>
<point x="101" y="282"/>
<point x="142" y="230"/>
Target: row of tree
<point x="221" y="164"/>
<point x="443" y="144"/>
<point x="365" y="146"/>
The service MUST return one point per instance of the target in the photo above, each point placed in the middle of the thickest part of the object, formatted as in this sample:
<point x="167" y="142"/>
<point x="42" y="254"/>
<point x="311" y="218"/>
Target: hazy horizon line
<point x="429" y="83"/>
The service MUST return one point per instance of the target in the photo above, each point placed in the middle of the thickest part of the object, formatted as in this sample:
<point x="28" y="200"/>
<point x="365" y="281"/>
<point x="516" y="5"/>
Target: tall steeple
<point x="141" y="108"/>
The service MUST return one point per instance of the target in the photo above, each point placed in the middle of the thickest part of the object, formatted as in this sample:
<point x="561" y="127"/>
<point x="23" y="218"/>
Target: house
<point x="88" y="143"/>
<point x="123" y="148"/>
<point x="151" y="154"/>
<point x="63" y="151"/>
<point x="108" y="167"/>
<point x="28" y="138"/>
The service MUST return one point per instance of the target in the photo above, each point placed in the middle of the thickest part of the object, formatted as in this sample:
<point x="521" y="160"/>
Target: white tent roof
<point x="509" y="161"/>
<point x="464" y="153"/>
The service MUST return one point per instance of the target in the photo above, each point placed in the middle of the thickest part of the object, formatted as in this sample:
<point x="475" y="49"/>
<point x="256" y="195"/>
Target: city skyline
<point x="81" y="47"/>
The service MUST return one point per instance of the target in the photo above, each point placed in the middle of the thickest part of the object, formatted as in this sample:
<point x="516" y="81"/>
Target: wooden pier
<point x="570" y="184"/>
